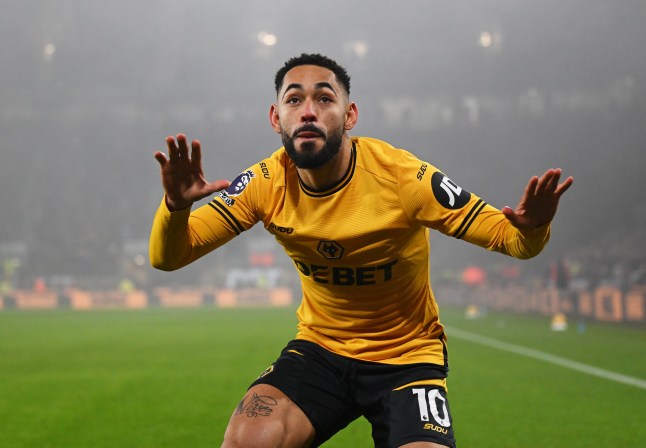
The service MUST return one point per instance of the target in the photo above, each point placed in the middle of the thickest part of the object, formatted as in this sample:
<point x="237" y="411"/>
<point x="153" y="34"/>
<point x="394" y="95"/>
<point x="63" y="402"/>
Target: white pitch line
<point x="536" y="354"/>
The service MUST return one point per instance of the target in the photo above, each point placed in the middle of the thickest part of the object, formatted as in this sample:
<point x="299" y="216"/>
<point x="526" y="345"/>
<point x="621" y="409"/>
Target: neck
<point x="323" y="177"/>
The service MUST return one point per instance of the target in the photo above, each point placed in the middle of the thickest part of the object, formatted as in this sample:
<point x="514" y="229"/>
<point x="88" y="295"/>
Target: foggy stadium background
<point x="490" y="92"/>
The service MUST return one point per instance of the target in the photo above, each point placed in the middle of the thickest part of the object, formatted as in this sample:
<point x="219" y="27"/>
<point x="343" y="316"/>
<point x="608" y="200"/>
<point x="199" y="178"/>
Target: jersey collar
<point x="338" y="185"/>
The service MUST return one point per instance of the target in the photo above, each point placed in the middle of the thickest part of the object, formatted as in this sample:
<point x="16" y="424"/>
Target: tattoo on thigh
<point x="256" y="406"/>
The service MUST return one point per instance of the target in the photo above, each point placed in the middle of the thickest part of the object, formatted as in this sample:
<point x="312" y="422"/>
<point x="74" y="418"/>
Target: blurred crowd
<point x="617" y="259"/>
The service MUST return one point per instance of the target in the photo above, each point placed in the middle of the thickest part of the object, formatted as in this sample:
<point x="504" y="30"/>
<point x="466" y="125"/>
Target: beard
<point x="307" y="157"/>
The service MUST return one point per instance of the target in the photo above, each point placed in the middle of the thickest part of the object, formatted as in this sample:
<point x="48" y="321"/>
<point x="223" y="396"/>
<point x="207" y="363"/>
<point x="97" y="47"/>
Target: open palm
<point x="182" y="176"/>
<point x="539" y="202"/>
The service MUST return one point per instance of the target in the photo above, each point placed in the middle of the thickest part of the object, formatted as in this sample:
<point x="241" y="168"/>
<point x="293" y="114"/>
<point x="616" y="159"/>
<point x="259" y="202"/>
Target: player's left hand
<point x="539" y="202"/>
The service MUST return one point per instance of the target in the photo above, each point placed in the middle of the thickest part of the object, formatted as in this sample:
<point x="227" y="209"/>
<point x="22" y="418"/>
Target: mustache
<point x="308" y="128"/>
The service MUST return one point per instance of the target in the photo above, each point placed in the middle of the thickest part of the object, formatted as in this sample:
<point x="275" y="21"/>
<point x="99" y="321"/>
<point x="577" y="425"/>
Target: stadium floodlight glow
<point x="267" y="38"/>
<point x="357" y="48"/>
<point x="48" y="51"/>
<point x="360" y="48"/>
<point x="486" y="39"/>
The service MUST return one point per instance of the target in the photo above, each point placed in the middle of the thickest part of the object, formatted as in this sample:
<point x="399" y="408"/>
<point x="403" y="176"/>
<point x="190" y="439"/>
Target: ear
<point x="274" y="119"/>
<point x="351" y="116"/>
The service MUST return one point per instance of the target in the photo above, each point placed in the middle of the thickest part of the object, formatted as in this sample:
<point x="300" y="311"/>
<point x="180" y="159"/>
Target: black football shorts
<point x="403" y="403"/>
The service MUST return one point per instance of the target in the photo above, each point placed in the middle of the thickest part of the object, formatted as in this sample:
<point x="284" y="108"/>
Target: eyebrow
<point x="318" y="85"/>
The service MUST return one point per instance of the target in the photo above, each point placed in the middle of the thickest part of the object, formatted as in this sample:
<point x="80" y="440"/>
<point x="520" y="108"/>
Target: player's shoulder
<point x="271" y="170"/>
<point x="382" y="158"/>
<point x="260" y="177"/>
<point x="384" y="151"/>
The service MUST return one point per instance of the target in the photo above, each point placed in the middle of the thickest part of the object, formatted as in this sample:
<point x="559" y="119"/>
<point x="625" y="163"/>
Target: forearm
<point x="179" y="238"/>
<point x="526" y="244"/>
<point x="494" y="232"/>
<point x="170" y="246"/>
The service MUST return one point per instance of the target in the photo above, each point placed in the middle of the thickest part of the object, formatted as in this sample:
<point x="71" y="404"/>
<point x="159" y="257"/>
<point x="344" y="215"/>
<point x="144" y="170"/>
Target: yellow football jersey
<point x="361" y="247"/>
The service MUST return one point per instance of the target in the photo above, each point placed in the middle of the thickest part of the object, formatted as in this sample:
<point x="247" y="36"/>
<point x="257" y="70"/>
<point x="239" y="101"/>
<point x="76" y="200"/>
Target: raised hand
<point x="539" y="202"/>
<point x="182" y="176"/>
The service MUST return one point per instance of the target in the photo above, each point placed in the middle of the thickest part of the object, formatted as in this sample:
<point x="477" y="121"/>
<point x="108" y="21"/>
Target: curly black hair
<point x="313" y="59"/>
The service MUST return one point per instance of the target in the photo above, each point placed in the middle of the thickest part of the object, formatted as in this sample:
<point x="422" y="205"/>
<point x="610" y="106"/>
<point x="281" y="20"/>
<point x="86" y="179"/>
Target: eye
<point x="325" y="99"/>
<point x="292" y="100"/>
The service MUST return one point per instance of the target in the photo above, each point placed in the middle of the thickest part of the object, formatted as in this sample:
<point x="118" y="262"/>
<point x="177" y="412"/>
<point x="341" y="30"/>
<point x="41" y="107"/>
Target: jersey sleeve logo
<point x="447" y="193"/>
<point x="239" y="184"/>
<point x="237" y="187"/>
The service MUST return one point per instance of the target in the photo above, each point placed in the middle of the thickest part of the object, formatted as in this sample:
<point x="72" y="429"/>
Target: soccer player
<point x="354" y="215"/>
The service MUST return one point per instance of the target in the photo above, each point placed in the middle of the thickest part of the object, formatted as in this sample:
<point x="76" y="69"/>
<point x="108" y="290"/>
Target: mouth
<point x="308" y="133"/>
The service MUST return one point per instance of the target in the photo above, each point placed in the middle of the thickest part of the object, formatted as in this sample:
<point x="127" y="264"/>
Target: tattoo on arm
<point x="256" y="406"/>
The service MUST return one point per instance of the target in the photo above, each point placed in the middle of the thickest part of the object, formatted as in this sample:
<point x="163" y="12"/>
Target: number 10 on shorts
<point x="429" y="401"/>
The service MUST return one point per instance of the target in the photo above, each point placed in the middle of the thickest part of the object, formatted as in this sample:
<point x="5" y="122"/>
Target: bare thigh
<point x="266" y="417"/>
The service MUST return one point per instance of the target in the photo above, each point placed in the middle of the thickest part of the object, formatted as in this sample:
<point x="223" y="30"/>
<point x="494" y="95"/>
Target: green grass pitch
<point x="171" y="378"/>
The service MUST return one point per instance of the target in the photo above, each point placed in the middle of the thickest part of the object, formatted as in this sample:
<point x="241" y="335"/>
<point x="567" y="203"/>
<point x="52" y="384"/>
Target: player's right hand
<point x="182" y="176"/>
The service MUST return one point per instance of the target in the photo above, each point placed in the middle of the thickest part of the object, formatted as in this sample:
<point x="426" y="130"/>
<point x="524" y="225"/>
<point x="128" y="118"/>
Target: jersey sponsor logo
<point x="236" y="188"/>
<point x="422" y="170"/>
<point x="347" y="275"/>
<point x="435" y="428"/>
<point x="280" y="229"/>
<point x="330" y="250"/>
<point x="265" y="170"/>
<point x="447" y="193"/>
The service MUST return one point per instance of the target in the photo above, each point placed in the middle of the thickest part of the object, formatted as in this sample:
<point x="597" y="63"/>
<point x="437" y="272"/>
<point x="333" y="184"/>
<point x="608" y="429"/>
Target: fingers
<point x="549" y="183"/>
<point x="509" y="213"/>
<point x="567" y="183"/>
<point x="178" y="149"/>
<point x="182" y="146"/>
<point x="196" y="152"/>
<point x="553" y="181"/>
<point x="219" y="185"/>
<point x="173" y="150"/>
<point x="161" y="158"/>
<point x="517" y="220"/>
<point x="530" y="189"/>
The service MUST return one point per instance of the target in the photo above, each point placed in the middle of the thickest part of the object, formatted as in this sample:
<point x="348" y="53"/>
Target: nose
<point x="308" y="112"/>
